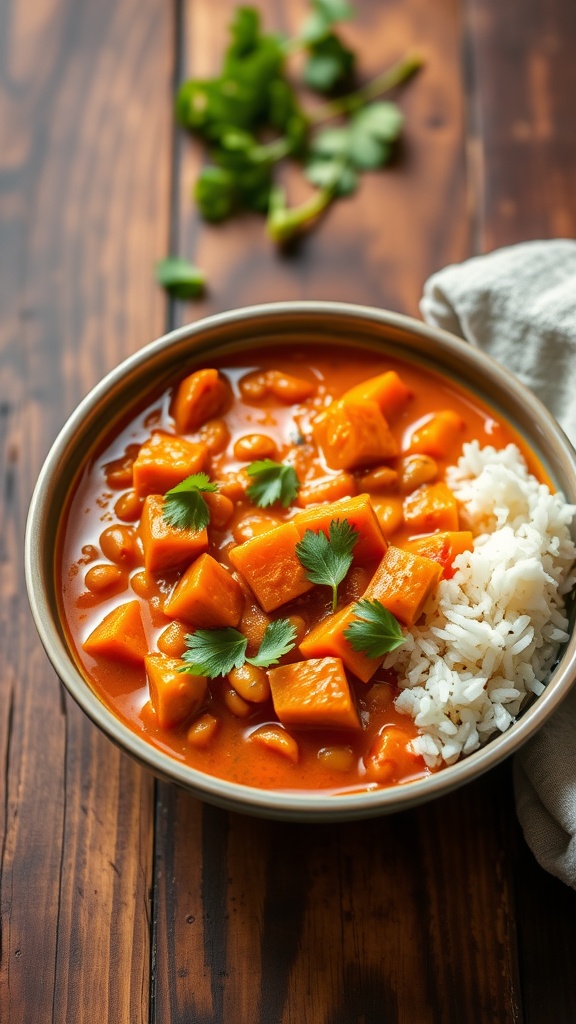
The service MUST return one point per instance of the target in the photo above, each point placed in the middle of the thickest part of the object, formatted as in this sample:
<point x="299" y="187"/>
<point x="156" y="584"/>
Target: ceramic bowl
<point x="158" y="364"/>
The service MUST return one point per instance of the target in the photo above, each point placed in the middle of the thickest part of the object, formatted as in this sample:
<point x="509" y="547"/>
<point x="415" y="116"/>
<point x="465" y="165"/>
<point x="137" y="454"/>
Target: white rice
<point x="490" y="635"/>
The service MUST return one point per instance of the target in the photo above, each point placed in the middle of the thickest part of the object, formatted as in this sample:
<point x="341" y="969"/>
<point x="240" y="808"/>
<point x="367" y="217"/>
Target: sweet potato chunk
<point x="167" y="547"/>
<point x="388" y="390"/>
<point x="371" y="543"/>
<point x="207" y="596"/>
<point x="270" y="566"/>
<point x="120" y="635"/>
<point x="200" y="397"/>
<point x="353" y="433"/>
<point x="441" y="548"/>
<point x="327" y="488"/>
<point x="327" y="640"/>
<point x="431" y="507"/>
<point x="439" y="435"/>
<point x="403" y="582"/>
<point x="174" y="695"/>
<point x="164" y="461"/>
<point x="313" y="694"/>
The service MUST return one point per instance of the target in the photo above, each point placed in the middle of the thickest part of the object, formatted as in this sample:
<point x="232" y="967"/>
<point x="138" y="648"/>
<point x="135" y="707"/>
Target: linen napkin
<point x="519" y="305"/>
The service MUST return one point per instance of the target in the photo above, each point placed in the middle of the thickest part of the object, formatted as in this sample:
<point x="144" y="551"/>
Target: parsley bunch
<point x="250" y="118"/>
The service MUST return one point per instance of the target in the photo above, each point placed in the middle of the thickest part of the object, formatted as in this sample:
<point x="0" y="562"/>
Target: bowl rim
<point x="286" y="804"/>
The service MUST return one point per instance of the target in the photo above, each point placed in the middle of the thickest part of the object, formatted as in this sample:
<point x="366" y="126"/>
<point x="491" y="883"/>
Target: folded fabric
<point x="519" y="305"/>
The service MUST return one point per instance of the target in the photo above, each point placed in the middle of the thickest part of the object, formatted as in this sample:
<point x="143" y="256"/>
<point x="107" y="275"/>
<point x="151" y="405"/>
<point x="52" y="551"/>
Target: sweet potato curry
<point x="237" y="561"/>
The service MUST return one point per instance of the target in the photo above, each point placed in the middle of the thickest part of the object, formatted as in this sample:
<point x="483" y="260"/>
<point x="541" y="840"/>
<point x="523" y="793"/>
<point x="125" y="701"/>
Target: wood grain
<point x="84" y="210"/>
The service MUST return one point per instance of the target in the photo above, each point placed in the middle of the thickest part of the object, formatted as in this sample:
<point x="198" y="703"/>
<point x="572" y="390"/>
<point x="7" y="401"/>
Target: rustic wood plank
<point x="523" y="141"/>
<point x="85" y="115"/>
<point x="385" y="919"/>
<point x="524" y="79"/>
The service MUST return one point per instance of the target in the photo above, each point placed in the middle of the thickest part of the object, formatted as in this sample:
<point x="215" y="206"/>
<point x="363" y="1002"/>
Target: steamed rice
<point x="491" y="634"/>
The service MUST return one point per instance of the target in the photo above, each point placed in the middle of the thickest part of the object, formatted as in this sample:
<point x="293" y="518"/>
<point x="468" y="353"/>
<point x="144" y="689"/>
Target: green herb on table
<point x="272" y="482"/>
<point x="180" y="278"/>
<point x="184" y="506"/>
<point x="250" y="118"/>
<point x="327" y="559"/>
<point x="374" y="631"/>
<point x="215" y="652"/>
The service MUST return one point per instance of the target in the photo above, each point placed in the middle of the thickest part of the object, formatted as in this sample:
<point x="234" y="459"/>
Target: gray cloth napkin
<point x="519" y="305"/>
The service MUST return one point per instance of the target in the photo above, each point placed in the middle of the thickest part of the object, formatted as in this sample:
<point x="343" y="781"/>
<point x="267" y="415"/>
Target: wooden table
<point x="123" y="899"/>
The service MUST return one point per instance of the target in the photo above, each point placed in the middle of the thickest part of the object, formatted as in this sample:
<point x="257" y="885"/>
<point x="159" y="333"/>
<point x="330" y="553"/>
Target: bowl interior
<point x="150" y="371"/>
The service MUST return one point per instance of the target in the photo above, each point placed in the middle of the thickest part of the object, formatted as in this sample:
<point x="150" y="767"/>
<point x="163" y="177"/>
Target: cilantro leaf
<point x="184" y="506"/>
<point x="325" y="14"/>
<point x="273" y="481"/>
<point x="328" y="558"/>
<point x="279" y="638"/>
<point x="330" y="63"/>
<point x="374" y="631"/>
<point x="179" y="277"/>
<point x="214" y="652"/>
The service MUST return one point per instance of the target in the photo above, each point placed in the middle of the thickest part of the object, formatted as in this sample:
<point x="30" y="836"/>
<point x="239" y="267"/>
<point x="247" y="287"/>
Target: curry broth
<point x="124" y="688"/>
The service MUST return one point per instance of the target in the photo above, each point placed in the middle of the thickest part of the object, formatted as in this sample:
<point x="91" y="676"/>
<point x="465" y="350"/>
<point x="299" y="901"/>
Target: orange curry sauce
<point x="336" y="760"/>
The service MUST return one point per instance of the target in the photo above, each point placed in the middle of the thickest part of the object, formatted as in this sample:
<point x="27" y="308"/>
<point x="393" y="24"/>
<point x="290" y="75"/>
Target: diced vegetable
<point x="313" y="694"/>
<point x="270" y="566"/>
<point x="206" y="596"/>
<point x="164" y="461"/>
<point x="389" y="759"/>
<point x="439" y="435"/>
<point x="174" y="695"/>
<point x="442" y="548"/>
<point x="327" y="488"/>
<point x="388" y="390"/>
<point x="120" y="636"/>
<point x="167" y="547"/>
<point x="327" y="640"/>
<point x="276" y="739"/>
<point x="200" y="397"/>
<point x="352" y="434"/>
<point x="371" y="543"/>
<point x="431" y="507"/>
<point x="403" y="583"/>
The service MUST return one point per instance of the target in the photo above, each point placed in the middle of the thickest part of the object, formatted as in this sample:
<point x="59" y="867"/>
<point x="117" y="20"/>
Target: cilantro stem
<point x="395" y="75"/>
<point x="272" y="152"/>
<point x="285" y="222"/>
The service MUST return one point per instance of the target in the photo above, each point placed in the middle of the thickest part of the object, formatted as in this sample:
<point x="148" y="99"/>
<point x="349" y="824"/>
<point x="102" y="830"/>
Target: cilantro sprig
<point x="180" y="278"/>
<point x="327" y="559"/>
<point x="184" y="507"/>
<point x="374" y="631"/>
<point x="215" y="652"/>
<point x="272" y="482"/>
<point x="250" y="118"/>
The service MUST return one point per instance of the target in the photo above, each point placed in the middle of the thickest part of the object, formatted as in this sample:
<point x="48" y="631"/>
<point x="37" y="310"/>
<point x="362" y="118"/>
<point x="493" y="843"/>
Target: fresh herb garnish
<point x="184" y="506"/>
<point x="328" y="558"/>
<point x="252" y="99"/>
<point x="374" y="631"/>
<point x="180" y="278"/>
<point x="215" y="652"/>
<point x="272" y="482"/>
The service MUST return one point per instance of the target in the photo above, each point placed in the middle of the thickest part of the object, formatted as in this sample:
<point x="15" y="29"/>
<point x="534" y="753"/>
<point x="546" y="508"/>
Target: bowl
<point x="154" y="367"/>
